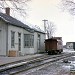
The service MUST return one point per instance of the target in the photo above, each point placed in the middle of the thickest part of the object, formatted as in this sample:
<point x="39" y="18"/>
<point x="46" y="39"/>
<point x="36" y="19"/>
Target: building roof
<point x="51" y="39"/>
<point x="54" y="38"/>
<point x="15" y="22"/>
<point x="60" y="38"/>
<point x="70" y="42"/>
<point x="35" y="28"/>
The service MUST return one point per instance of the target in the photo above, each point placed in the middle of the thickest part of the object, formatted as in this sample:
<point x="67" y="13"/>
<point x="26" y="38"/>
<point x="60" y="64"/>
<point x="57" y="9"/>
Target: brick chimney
<point x="7" y="10"/>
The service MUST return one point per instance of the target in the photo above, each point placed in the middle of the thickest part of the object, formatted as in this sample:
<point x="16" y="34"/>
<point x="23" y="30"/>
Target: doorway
<point x="19" y="43"/>
<point x="38" y="43"/>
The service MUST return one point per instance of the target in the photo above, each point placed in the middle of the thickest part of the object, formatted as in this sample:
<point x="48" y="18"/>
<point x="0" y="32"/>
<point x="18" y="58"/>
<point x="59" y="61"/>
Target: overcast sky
<point x="50" y="10"/>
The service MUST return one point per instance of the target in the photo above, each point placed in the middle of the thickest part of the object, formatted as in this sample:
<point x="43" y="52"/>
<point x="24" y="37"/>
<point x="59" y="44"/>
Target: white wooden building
<point x="70" y="45"/>
<point x="17" y="38"/>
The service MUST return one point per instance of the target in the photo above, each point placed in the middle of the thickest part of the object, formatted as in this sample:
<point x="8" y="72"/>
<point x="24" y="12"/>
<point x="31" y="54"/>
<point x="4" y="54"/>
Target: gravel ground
<point x="58" y="68"/>
<point x="55" y="69"/>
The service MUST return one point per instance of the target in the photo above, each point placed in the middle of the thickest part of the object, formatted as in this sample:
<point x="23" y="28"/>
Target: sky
<point x="51" y="11"/>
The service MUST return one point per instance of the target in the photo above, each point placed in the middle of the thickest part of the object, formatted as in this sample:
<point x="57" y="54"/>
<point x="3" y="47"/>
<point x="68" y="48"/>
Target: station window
<point x="28" y="41"/>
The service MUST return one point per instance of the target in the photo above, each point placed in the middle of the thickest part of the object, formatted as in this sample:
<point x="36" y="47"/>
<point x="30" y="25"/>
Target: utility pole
<point x="45" y="27"/>
<point x="45" y="24"/>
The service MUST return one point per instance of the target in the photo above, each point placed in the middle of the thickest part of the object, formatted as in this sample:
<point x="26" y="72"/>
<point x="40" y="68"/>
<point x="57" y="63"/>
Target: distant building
<point x="17" y="38"/>
<point x="70" y="45"/>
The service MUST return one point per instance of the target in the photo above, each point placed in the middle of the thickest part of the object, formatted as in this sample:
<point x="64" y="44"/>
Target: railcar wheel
<point x="49" y="52"/>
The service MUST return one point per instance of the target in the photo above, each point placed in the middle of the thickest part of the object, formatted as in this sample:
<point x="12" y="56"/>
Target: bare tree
<point x="69" y="5"/>
<point x="19" y="6"/>
<point x="50" y="28"/>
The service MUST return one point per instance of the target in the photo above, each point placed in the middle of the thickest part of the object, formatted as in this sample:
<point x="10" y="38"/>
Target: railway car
<point x="54" y="45"/>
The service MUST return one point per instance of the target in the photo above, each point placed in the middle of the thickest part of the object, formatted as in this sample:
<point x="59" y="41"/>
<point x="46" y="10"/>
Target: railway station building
<point x="17" y="38"/>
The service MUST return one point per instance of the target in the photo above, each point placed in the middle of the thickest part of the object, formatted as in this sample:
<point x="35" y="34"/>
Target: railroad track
<point x="18" y="67"/>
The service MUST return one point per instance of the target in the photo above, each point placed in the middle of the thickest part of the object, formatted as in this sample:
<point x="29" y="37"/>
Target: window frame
<point x="28" y="41"/>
